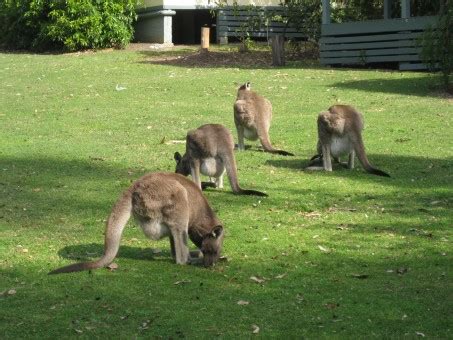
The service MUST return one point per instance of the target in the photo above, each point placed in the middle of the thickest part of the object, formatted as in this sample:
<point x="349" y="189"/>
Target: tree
<point x="437" y="44"/>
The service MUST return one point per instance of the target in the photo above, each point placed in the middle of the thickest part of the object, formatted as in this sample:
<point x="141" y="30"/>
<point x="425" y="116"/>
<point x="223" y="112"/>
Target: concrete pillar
<point x="154" y="27"/>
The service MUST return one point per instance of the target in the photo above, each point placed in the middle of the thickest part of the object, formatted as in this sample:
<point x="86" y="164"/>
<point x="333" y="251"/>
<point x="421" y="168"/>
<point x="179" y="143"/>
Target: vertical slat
<point x="325" y="12"/>
<point x="387" y="9"/>
<point x="405" y="9"/>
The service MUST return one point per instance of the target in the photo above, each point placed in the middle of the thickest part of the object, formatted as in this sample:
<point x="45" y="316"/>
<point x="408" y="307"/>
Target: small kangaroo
<point x="210" y="151"/>
<point x="340" y="133"/>
<point x="164" y="204"/>
<point x="252" y="116"/>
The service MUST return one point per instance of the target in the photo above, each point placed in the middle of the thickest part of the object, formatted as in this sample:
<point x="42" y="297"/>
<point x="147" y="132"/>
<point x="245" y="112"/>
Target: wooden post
<point x="278" y="50"/>
<point x="405" y="9"/>
<point x="205" y="38"/>
<point x="325" y="12"/>
<point x="387" y="9"/>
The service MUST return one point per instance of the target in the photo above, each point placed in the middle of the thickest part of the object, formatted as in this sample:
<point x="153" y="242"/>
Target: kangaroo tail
<point x="251" y="192"/>
<point x="231" y="169"/>
<point x="267" y="146"/>
<point x="361" y="155"/>
<point x="114" y="228"/>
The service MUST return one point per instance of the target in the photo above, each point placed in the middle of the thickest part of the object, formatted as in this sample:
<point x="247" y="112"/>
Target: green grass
<point x="70" y="143"/>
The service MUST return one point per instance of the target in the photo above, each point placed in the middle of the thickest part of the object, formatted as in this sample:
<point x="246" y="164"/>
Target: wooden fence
<point x="253" y="23"/>
<point x="389" y="40"/>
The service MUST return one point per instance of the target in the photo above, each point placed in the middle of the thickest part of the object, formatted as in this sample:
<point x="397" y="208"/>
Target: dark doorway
<point x="187" y="26"/>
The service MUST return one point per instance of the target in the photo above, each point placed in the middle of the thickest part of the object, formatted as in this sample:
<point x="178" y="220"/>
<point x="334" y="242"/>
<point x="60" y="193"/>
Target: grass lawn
<point x="342" y="254"/>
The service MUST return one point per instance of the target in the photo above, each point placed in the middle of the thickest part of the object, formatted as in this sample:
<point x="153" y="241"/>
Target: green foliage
<point x="437" y="44"/>
<point x="305" y="15"/>
<point x="70" y="25"/>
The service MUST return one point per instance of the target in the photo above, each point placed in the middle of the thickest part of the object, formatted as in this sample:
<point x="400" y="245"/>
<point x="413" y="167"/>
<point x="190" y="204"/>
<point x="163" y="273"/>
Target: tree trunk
<point x="278" y="50"/>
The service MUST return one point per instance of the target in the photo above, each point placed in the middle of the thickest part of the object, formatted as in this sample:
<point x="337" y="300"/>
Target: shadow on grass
<point x="423" y="86"/>
<point x="46" y="190"/>
<point x="93" y="251"/>
<point x="405" y="171"/>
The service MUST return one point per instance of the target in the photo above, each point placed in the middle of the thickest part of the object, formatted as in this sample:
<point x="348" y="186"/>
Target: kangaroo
<point x="210" y="151"/>
<point x="252" y="116"/>
<point x="340" y="133"/>
<point x="163" y="204"/>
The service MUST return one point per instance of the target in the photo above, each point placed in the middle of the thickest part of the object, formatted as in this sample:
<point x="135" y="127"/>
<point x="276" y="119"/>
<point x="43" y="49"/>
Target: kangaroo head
<point x="211" y="246"/>
<point x="182" y="164"/>
<point x="247" y="86"/>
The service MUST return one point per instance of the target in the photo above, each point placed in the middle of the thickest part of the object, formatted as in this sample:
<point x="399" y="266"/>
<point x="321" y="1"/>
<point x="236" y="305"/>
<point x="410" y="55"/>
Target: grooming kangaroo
<point x="252" y="116"/>
<point x="164" y="204"/>
<point x="210" y="151"/>
<point x="340" y="133"/>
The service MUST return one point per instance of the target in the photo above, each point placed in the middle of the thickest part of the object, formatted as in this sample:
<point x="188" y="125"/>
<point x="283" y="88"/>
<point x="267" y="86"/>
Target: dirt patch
<point x="214" y="59"/>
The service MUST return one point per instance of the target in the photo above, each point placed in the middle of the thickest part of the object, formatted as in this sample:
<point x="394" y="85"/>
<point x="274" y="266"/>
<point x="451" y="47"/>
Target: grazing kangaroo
<point x="340" y="133"/>
<point x="252" y="116"/>
<point x="210" y="151"/>
<point x="164" y="204"/>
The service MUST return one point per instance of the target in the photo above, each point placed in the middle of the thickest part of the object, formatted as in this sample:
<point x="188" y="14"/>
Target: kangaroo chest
<point x="250" y="133"/>
<point x="212" y="167"/>
<point x="155" y="230"/>
<point x="340" y="146"/>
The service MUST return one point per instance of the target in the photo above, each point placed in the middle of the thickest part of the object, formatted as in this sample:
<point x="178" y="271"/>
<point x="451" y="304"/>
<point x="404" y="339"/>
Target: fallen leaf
<point x="332" y="305"/>
<point x="257" y="279"/>
<point x="170" y="142"/>
<point x="312" y="214"/>
<point x="12" y="292"/>
<point x="182" y="282"/>
<point x="255" y="329"/>
<point x="78" y="331"/>
<point x="360" y="276"/>
<point x="281" y="276"/>
<point x="243" y="303"/>
<point x="156" y="251"/>
<point x="420" y="334"/>
<point x="112" y="266"/>
<point x="324" y="249"/>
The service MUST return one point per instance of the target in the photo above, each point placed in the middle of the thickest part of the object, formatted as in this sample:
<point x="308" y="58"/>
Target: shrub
<point x="66" y="24"/>
<point x="437" y="45"/>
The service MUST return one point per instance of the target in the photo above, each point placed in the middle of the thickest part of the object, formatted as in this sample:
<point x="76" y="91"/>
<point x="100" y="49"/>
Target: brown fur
<point x="168" y="200"/>
<point x="210" y="151"/>
<point x="252" y="116"/>
<point x="339" y="133"/>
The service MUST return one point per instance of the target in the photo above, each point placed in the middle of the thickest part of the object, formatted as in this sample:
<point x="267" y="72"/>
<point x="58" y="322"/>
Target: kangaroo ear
<point x="248" y="85"/>
<point x="217" y="231"/>
<point x="177" y="156"/>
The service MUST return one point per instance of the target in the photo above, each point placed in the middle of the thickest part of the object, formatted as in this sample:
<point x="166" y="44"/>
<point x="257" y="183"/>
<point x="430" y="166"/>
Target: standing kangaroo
<point x="210" y="151"/>
<point x="252" y="116"/>
<point x="340" y="133"/>
<point x="164" y="204"/>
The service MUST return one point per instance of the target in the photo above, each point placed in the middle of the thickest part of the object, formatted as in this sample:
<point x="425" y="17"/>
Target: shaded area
<point x="35" y="190"/>
<point x="402" y="169"/>
<point x="422" y="86"/>
<point x="92" y="251"/>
